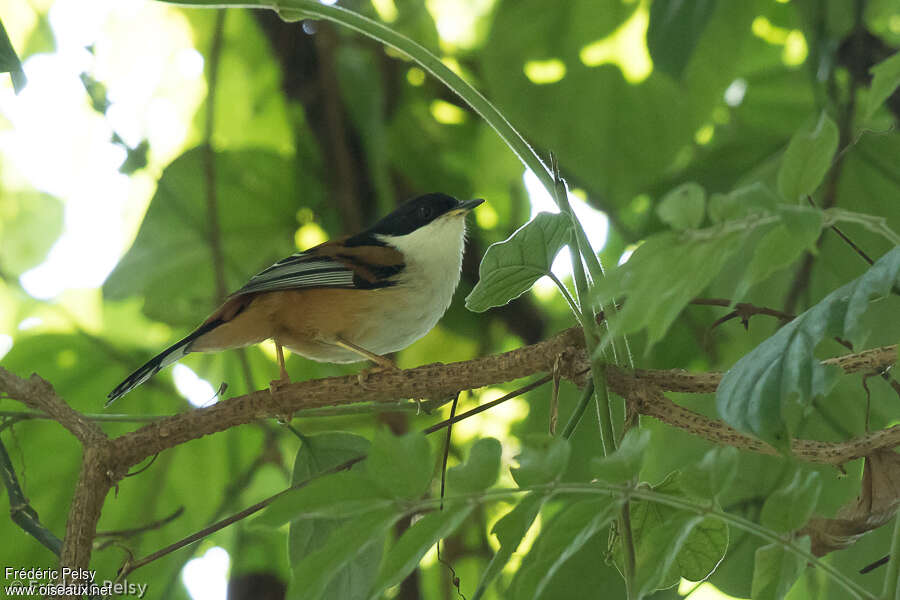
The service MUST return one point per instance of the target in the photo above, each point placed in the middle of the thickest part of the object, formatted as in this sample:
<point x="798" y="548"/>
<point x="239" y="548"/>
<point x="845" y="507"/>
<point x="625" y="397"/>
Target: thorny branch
<point x="106" y="460"/>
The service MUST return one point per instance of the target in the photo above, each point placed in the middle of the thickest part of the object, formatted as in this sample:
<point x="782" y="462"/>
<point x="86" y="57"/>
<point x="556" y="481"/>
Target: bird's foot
<point x="276" y="386"/>
<point x="382" y="367"/>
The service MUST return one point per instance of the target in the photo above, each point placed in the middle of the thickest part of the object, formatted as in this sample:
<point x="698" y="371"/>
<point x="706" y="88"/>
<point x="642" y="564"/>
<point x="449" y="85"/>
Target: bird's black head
<point x="419" y="212"/>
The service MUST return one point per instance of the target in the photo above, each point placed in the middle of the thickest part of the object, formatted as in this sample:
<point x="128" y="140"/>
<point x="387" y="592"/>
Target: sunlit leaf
<point x="509" y="268"/>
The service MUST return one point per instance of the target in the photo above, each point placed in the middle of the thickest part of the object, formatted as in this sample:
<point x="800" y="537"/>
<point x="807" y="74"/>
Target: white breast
<point x="423" y="293"/>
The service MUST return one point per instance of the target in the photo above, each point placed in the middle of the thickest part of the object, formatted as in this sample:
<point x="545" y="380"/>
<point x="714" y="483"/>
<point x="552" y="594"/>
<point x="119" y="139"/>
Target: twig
<point x="20" y="511"/>
<point x="126" y="533"/>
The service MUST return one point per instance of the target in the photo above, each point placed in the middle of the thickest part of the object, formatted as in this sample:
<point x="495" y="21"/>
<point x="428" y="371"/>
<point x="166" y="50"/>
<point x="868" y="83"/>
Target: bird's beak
<point x="468" y="205"/>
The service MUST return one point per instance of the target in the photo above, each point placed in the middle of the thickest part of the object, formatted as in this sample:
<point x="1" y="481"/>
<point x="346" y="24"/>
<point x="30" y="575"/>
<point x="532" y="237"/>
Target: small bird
<point x="354" y="298"/>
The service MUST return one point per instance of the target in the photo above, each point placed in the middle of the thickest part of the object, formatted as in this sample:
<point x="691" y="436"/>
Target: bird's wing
<point x="329" y="265"/>
<point x="300" y="270"/>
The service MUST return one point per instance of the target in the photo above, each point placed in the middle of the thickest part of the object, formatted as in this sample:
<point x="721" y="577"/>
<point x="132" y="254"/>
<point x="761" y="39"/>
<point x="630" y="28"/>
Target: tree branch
<point x="106" y="461"/>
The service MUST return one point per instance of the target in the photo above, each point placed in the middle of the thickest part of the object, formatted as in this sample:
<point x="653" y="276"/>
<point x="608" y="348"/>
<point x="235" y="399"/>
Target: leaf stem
<point x="892" y="576"/>
<point x="568" y="296"/>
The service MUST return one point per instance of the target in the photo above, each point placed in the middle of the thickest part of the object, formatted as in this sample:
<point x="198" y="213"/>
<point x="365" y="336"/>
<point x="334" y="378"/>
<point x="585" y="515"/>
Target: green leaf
<point x="625" y="463"/>
<point x="9" y="61"/>
<point x="405" y="555"/>
<point x="560" y="540"/>
<point x="885" y="79"/>
<point x="170" y="265"/>
<point x="671" y="543"/>
<point x="741" y="202"/>
<point x="764" y="390"/>
<point x="543" y="459"/>
<point x="776" y="569"/>
<point x="797" y="232"/>
<point x="670" y="269"/>
<point x="480" y="471"/>
<point x="325" y="451"/>
<point x="807" y="160"/>
<point x="509" y="268"/>
<point x="674" y="30"/>
<point x="683" y="207"/>
<point x="339" y="495"/>
<point x="314" y="573"/>
<point x="712" y="475"/>
<point x="400" y="466"/>
<point x="790" y="507"/>
<point x="319" y="453"/>
<point x="30" y="222"/>
<point x="510" y="530"/>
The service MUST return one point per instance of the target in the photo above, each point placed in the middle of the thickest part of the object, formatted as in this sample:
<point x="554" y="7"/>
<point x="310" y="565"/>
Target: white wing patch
<point x="300" y="270"/>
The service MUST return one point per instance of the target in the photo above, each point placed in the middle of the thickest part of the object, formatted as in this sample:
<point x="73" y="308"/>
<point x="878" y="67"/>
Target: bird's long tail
<point x="170" y="355"/>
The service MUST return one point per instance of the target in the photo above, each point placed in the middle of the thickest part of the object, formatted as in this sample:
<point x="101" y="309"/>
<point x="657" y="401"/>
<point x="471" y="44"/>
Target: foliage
<point x="734" y="148"/>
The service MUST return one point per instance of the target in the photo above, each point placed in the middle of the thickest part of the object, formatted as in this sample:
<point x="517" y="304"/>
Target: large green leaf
<point x="30" y="222"/>
<point x="765" y="390"/>
<point x="170" y="263"/>
<point x="509" y="268"/>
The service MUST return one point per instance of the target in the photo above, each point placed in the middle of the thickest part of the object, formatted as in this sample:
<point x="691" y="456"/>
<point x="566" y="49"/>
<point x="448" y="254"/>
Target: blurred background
<point x="133" y="108"/>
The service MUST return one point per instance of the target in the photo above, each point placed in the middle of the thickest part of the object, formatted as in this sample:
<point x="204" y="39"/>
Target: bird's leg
<point x="276" y="384"/>
<point x="379" y="360"/>
<point x="381" y="363"/>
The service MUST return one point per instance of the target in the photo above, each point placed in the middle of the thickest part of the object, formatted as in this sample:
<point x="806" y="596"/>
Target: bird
<point x="357" y="297"/>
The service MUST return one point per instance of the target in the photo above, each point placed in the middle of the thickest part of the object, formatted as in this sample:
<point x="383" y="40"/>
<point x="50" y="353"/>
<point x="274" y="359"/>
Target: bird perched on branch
<point x="346" y="300"/>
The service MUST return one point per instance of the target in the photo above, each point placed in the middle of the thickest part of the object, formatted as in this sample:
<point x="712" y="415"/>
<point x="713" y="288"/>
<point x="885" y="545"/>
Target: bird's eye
<point x="425" y="212"/>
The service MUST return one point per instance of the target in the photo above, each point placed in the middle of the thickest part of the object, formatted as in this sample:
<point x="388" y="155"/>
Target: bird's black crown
<point x="414" y="214"/>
